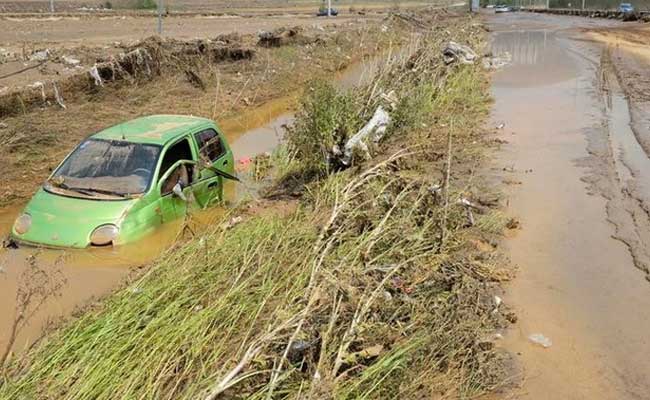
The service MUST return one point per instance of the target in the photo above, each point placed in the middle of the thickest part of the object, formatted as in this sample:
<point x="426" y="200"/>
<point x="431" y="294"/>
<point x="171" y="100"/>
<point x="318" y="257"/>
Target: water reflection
<point x="533" y="53"/>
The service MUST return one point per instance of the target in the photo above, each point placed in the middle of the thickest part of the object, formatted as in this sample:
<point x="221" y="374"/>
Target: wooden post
<point x="160" y="11"/>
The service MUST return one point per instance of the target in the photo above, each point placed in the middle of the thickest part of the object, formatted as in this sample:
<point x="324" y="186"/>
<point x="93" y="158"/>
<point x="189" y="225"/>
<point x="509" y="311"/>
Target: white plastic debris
<point x="41" y="55"/>
<point x="541" y="340"/>
<point x="57" y="96"/>
<point x="455" y="52"/>
<point x="94" y="73"/>
<point x="497" y="303"/>
<point x="374" y="130"/>
<point x="233" y="222"/>
<point x="501" y="126"/>
<point x="71" y="61"/>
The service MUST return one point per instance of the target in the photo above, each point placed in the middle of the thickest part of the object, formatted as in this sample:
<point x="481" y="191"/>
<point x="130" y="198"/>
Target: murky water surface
<point x="576" y="284"/>
<point x="93" y="273"/>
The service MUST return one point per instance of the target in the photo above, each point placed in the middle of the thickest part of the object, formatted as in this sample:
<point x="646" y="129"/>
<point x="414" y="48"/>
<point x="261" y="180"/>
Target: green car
<point x="120" y="184"/>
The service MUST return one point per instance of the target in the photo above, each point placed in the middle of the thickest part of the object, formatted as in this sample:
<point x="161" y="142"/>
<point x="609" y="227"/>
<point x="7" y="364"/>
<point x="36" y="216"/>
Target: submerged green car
<point x="120" y="184"/>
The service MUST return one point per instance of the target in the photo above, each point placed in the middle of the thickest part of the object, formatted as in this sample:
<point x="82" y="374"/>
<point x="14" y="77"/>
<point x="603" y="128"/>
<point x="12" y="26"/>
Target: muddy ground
<point x="574" y="103"/>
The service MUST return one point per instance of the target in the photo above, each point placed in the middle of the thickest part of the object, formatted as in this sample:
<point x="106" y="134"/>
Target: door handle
<point x="225" y="162"/>
<point x="213" y="184"/>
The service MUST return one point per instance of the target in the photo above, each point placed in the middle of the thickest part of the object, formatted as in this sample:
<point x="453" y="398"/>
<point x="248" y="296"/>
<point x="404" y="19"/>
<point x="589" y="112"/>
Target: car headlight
<point x="104" y="235"/>
<point x="22" y="224"/>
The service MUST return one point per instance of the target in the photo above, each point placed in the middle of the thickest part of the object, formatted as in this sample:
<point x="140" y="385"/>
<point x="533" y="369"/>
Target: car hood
<point x="61" y="221"/>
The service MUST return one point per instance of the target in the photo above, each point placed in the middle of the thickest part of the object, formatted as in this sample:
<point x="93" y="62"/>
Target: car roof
<point x="153" y="129"/>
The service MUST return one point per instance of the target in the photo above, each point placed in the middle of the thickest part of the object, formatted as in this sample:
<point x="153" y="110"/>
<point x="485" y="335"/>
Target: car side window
<point x="210" y="145"/>
<point x="179" y="151"/>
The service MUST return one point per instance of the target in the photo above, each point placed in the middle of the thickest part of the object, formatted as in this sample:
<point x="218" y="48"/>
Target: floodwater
<point x="583" y="190"/>
<point x="85" y="275"/>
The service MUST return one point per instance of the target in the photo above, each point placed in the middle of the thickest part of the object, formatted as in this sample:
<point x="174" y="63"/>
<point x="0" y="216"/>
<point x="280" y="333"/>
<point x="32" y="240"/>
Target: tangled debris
<point x="285" y="36"/>
<point x="454" y="52"/>
<point x="373" y="131"/>
<point x="143" y="61"/>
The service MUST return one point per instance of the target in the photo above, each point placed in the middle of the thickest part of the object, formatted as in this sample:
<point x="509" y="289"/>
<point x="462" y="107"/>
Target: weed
<point x="326" y="119"/>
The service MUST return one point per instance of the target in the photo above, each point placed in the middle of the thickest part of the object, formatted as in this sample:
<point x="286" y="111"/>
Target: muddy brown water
<point x="581" y="201"/>
<point x="94" y="273"/>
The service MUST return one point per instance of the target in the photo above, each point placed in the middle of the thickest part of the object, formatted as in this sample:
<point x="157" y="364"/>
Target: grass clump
<point x="326" y="117"/>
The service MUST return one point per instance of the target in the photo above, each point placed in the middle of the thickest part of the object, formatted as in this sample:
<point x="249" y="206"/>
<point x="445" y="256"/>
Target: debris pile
<point x="142" y="61"/>
<point x="285" y="36"/>
<point x="454" y="52"/>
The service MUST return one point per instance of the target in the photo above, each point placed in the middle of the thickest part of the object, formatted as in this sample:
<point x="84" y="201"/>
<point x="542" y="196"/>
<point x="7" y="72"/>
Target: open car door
<point x="216" y="161"/>
<point x="177" y="191"/>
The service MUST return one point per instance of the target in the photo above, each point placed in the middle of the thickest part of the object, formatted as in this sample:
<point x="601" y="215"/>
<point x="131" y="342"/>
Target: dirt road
<point x="109" y="29"/>
<point x="578" y="177"/>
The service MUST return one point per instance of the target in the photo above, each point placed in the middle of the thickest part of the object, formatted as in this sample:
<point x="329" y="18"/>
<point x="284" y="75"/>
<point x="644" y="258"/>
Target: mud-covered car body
<point x="123" y="182"/>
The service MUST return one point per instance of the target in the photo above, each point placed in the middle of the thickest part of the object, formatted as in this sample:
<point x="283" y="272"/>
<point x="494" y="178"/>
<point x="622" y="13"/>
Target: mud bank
<point x="573" y="166"/>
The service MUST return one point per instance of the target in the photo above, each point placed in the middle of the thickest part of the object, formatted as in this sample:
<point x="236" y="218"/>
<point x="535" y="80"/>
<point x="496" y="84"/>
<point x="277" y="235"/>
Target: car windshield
<point x="107" y="167"/>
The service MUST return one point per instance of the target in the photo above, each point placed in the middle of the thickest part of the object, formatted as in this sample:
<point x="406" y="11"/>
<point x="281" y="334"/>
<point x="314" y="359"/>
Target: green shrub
<point x="326" y="119"/>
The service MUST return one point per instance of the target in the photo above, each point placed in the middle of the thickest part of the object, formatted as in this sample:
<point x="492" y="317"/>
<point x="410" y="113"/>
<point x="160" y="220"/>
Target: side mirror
<point x="178" y="191"/>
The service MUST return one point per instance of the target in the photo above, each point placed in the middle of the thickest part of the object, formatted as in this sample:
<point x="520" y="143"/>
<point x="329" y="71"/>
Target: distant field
<point x="16" y="6"/>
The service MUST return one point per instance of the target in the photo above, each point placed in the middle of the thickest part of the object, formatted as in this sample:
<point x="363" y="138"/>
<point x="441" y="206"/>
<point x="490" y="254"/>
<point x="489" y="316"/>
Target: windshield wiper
<point x="90" y="191"/>
<point x="73" y="189"/>
<point x="100" y="191"/>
